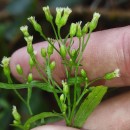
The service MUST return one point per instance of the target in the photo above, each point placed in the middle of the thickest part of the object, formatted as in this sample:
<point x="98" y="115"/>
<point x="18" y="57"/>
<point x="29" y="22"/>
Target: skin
<point x="106" y="51"/>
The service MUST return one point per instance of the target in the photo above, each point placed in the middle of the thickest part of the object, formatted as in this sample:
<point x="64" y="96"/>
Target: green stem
<point x="76" y="73"/>
<point x="28" y="100"/>
<point x="55" y="33"/>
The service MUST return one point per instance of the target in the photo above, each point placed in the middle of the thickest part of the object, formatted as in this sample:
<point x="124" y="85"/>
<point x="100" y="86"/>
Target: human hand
<point x="106" y="51"/>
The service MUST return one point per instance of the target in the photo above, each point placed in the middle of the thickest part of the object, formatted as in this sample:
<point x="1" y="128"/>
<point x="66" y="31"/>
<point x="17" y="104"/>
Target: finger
<point x="54" y="127"/>
<point x="106" y="51"/>
<point x="112" y="114"/>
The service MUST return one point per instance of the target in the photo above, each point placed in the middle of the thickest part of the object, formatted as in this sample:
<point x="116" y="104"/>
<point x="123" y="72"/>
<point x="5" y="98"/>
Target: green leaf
<point x="39" y="117"/>
<point x="43" y="86"/>
<point x="88" y="105"/>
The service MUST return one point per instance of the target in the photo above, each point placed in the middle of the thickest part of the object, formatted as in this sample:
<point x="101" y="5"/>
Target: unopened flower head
<point x="85" y="28"/>
<point x="19" y="69"/>
<point x="73" y="28"/>
<point x="79" y="32"/>
<point x="47" y="12"/>
<point x="94" y="22"/>
<point x="65" y="87"/>
<point x="30" y="78"/>
<point x="24" y="30"/>
<point x="67" y="11"/>
<point x="114" y="74"/>
<point x="5" y="61"/>
<point x="59" y="12"/>
<point x="15" y="114"/>
<point x="64" y="18"/>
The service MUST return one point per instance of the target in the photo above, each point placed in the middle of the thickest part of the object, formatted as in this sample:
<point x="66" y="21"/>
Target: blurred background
<point x="14" y="13"/>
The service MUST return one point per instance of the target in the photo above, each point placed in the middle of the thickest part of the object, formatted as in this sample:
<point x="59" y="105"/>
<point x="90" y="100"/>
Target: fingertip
<point x="19" y="57"/>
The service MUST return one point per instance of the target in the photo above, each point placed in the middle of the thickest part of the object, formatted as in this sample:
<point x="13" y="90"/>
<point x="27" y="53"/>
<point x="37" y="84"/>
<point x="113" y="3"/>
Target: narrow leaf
<point x="43" y="86"/>
<point x="39" y="117"/>
<point x="88" y="105"/>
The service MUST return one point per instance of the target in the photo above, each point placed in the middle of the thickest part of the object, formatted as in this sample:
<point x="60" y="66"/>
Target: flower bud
<point x="73" y="29"/>
<point x="24" y="30"/>
<point x="85" y="28"/>
<point x="71" y="61"/>
<point x="29" y="44"/>
<point x="65" y="16"/>
<point x="112" y="75"/>
<point x="52" y="65"/>
<point x="43" y="52"/>
<point x="64" y="108"/>
<point x="65" y="88"/>
<point x="73" y="52"/>
<point x="63" y="50"/>
<point x="30" y="49"/>
<point x="59" y="12"/>
<point x="5" y="62"/>
<point x="50" y="49"/>
<point x="19" y="69"/>
<point x="47" y="12"/>
<point x="35" y="24"/>
<point x="62" y="98"/>
<point x="16" y="115"/>
<point x="94" y="21"/>
<point x="31" y="63"/>
<point x="30" y="78"/>
<point x="79" y="32"/>
<point x="83" y="73"/>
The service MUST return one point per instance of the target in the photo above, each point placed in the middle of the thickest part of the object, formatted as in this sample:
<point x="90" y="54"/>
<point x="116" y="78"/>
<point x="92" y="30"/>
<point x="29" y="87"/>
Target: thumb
<point x="106" y="51"/>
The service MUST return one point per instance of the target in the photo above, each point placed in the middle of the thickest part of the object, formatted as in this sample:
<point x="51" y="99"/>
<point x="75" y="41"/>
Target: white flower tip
<point x="96" y="15"/>
<point x="67" y="10"/>
<point x="24" y="28"/>
<point x="117" y="73"/>
<point x="14" y="108"/>
<point x="31" y="18"/>
<point x="45" y="8"/>
<point x="59" y="9"/>
<point x="5" y="61"/>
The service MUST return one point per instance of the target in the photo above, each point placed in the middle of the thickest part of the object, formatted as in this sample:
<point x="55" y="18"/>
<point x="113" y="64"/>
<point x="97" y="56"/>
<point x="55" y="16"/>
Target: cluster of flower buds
<point x="63" y="96"/>
<point x="16" y="115"/>
<point x="112" y="75"/>
<point x="61" y="20"/>
<point x="75" y="29"/>
<point x="63" y="105"/>
<point x="28" y="39"/>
